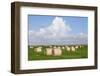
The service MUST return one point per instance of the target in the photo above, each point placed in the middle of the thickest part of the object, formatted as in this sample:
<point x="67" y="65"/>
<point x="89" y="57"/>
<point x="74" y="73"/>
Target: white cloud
<point x="56" y="33"/>
<point x="57" y="27"/>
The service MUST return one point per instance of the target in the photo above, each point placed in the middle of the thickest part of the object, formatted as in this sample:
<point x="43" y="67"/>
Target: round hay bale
<point x="49" y="51"/>
<point x="63" y="47"/>
<point x="54" y="47"/>
<point x="68" y="48"/>
<point x="38" y="49"/>
<point x="72" y="48"/>
<point x="76" y="47"/>
<point x="57" y="52"/>
<point x="59" y="47"/>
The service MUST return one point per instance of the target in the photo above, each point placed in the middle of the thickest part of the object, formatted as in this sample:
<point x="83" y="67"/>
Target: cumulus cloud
<point x="55" y="33"/>
<point x="57" y="27"/>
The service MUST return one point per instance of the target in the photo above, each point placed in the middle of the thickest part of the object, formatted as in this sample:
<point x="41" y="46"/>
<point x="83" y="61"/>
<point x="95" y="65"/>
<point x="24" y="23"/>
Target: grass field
<point x="78" y="53"/>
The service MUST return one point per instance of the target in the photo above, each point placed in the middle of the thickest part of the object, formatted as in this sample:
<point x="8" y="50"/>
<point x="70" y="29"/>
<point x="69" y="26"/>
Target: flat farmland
<point x="57" y="52"/>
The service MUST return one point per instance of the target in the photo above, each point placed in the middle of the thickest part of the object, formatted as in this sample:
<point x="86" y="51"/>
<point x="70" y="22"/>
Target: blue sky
<point x="70" y="25"/>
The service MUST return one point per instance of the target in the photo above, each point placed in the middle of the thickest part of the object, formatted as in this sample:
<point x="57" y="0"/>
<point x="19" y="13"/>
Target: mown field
<point x="77" y="54"/>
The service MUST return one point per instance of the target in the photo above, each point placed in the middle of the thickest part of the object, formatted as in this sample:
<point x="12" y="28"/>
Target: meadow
<point x="79" y="53"/>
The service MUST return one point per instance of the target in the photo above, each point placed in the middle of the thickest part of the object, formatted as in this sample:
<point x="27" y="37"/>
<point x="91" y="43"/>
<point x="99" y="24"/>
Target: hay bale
<point x="63" y="47"/>
<point x="68" y="48"/>
<point x="57" y="52"/>
<point x="76" y="47"/>
<point x="59" y="47"/>
<point x="49" y="51"/>
<point x="72" y="48"/>
<point x="80" y="46"/>
<point x="38" y="49"/>
<point x="50" y="46"/>
<point x="54" y="47"/>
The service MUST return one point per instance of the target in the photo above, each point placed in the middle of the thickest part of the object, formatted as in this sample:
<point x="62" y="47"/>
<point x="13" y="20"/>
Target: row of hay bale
<point x="53" y="51"/>
<point x="57" y="50"/>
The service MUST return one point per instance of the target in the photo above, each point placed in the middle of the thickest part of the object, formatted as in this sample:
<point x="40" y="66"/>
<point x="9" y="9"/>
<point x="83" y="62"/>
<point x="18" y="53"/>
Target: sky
<point x="57" y="30"/>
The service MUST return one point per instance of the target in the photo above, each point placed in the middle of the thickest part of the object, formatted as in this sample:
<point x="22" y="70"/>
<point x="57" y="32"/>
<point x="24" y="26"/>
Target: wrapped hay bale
<point x="57" y="52"/>
<point x="38" y="49"/>
<point x="54" y="47"/>
<point x="68" y="48"/>
<point x="49" y="51"/>
<point x="59" y="47"/>
<point x="72" y="48"/>
<point x="50" y="46"/>
<point x="76" y="47"/>
<point x="63" y="47"/>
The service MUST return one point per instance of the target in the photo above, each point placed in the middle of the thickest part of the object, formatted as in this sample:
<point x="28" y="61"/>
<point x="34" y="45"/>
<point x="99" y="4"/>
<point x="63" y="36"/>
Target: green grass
<point x="79" y="53"/>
